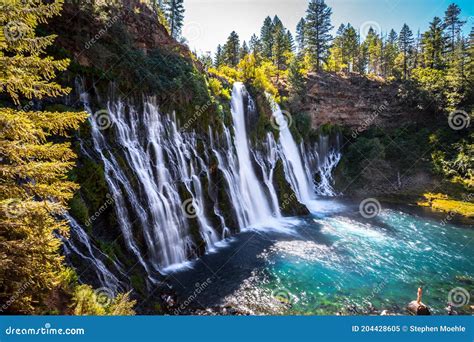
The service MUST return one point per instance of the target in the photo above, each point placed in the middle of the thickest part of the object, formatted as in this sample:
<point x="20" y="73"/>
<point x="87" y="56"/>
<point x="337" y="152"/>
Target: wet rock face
<point x="354" y="101"/>
<point x="251" y="112"/>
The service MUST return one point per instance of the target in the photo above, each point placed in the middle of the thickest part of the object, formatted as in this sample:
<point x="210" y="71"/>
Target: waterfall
<point x="301" y="164"/>
<point x="170" y="185"/>
<point x="293" y="163"/>
<point x="79" y="245"/>
<point x="252" y="195"/>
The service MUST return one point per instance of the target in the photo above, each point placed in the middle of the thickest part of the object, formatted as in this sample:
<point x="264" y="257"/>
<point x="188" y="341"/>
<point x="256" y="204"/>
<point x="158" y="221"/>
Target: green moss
<point x="79" y="210"/>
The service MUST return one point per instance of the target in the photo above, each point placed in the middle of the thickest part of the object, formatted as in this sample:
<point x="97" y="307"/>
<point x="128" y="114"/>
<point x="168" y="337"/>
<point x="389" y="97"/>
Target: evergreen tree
<point x="433" y="43"/>
<point x="453" y="24"/>
<point x="335" y="61"/>
<point x="405" y="43"/>
<point x="175" y="14"/>
<point x="350" y="46"/>
<point x="300" y="35"/>
<point x="231" y="50"/>
<point x="244" y="50"/>
<point x="256" y="48"/>
<point x="266" y="37"/>
<point x="219" y="57"/>
<point x="280" y="44"/>
<point x="34" y="190"/>
<point x="391" y="52"/>
<point x="374" y="49"/>
<point x="317" y="33"/>
<point x="296" y="79"/>
<point x="290" y="41"/>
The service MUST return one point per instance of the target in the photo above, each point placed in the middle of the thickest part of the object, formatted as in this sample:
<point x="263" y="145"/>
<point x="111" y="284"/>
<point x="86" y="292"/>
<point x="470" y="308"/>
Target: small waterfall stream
<point x="165" y="181"/>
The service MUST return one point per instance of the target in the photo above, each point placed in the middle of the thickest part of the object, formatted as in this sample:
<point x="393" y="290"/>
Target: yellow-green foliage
<point x="335" y="61"/>
<point x="89" y="302"/>
<point x="34" y="189"/>
<point x="228" y="73"/>
<point x="217" y="89"/>
<point x="442" y="202"/>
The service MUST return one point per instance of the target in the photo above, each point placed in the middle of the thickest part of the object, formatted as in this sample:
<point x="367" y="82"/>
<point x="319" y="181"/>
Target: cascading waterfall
<point x="293" y="163"/>
<point x="165" y="194"/>
<point x="299" y="163"/>
<point x="253" y="197"/>
<point x="79" y="245"/>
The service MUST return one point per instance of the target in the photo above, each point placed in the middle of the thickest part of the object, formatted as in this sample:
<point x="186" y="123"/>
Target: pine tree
<point x="266" y="37"/>
<point x="219" y="57"/>
<point x="300" y="35"/>
<point x="350" y="46"/>
<point x="433" y="43"/>
<point x="256" y="48"/>
<point x="34" y="190"/>
<point x="290" y="41"/>
<point x="335" y="61"/>
<point x="405" y="43"/>
<point x="456" y="82"/>
<point x="280" y="44"/>
<point x="244" y="50"/>
<point x="231" y="50"/>
<point x="175" y="15"/>
<point x="391" y="52"/>
<point x="453" y="24"/>
<point x="296" y="79"/>
<point x="374" y="48"/>
<point x="317" y="34"/>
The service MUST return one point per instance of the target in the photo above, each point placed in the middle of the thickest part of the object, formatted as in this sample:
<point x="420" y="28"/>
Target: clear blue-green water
<point x="338" y="263"/>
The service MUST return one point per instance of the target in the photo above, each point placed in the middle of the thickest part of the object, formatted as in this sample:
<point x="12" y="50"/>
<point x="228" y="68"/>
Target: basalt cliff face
<point x="354" y="101"/>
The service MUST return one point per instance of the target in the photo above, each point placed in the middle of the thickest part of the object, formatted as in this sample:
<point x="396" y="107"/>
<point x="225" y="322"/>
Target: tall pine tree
<point x="34" y="190"/>
<point x="317" y="33"/>
<point x="175" y="14"/>
<point x="453" y="24"/>
<point x="266" y="37"/>
<point x="433" y="43"/>
<point x="300" y="35"/>
<point x="405" y="43"/>
<point x="231" y="55"/>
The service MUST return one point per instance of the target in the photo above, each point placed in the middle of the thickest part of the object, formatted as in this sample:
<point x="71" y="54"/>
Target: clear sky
<point x="209" y="22"/>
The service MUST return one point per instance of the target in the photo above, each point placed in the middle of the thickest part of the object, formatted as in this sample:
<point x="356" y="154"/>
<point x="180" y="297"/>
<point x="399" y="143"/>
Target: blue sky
<point x="209" y="22"/>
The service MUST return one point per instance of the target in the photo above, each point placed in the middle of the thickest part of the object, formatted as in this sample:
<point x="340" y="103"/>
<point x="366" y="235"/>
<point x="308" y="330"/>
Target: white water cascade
<point x="293" y="163"/>
<point x="79" y="245"/>
<point x="253" y="198"/>
<point x="170" y="186"/>
<point x="299" y="163"/>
